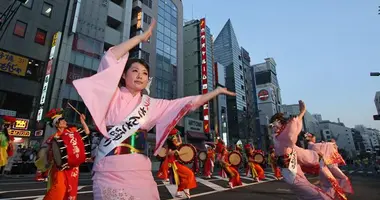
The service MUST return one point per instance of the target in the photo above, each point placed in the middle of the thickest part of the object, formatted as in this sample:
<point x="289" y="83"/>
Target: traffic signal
<point x="376" y="117"/>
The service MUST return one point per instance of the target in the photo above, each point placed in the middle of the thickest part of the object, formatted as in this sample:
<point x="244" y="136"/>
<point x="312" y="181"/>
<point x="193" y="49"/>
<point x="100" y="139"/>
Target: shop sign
<point x="204" y="81"/>
<point x="19" y="133"/>
<point x="21" y="124"/>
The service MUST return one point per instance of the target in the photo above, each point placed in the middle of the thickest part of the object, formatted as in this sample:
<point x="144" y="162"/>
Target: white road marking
<point x="210" y="185"/>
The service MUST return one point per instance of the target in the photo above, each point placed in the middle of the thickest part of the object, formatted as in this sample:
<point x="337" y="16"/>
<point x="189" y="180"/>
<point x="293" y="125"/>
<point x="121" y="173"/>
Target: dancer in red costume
<point x="255" y="168"/>
<point x="209" y="163"/>
<point x="181" y="175"/>
<point x="231" y="172"/>
<point x="163" y="172"/>
<point x="273" y="163"/>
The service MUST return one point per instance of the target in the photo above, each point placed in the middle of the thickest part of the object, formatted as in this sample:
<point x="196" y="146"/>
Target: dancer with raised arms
<point x="114" y="97"/>
<point x="289" y="157"/>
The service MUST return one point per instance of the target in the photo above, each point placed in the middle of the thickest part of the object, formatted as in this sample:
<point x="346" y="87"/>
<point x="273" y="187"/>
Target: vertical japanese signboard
<point x="53" y="54"/>
<point x="204" y="87"/>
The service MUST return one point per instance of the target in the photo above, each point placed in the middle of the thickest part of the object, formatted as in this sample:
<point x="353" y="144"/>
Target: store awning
<point x="195" y="135"/>
<point x="200" y="146"/>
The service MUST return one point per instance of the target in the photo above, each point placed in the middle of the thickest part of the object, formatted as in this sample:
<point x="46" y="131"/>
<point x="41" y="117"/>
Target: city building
<point x="268" y="97"/>
<point x="199" y="69"/>
<point x="93" y="27"/>
<point x="199" y="79"/>
<point x="318" y="117"/>
<point x="310" y="124"/>
<point x="227" y="52"/>
<point x="358" y="140"/>
<point x="366" y="137"/>
<point x="164" y="52"/>
<point x="25" y="42"/>
<point x="251" y="100"/>
<point x="342" y="135"/>
<point x="221" y="127"/>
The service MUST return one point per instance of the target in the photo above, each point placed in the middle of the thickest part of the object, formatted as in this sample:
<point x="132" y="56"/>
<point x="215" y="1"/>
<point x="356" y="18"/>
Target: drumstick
<point x="68" y="103"/>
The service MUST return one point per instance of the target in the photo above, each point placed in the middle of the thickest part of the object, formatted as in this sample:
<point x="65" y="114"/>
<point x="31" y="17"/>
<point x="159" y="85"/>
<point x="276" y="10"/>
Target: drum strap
<point x="124" y="129"/>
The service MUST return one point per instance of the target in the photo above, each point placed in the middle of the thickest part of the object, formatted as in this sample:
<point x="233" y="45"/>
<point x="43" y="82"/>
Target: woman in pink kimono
<point x="114" y="97"/>
<point x="332" y="159"/>
<point x="288" y="156"/>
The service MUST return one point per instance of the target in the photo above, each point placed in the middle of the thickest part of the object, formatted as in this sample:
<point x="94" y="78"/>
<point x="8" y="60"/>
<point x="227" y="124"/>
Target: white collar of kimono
<point x="147" y="88"/>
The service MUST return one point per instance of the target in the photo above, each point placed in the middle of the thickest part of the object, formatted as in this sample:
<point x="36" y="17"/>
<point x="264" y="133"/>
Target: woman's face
<point x="276" y="125"/>
<point x="313" y="139"/>
<point x="61" y="123"/>
<point x="136" y="78"/>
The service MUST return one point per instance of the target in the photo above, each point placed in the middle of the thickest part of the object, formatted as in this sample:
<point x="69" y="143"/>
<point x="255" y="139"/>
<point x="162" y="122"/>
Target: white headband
<point x="55" y="120"/>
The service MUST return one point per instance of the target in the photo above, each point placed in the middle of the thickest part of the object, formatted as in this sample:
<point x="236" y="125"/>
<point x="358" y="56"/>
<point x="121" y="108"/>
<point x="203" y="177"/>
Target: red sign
<point x="204" y="87"/>
<point x="263" y="95"/>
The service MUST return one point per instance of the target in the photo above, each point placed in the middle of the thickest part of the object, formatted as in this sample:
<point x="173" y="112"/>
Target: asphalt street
<point x="366" y="186"/>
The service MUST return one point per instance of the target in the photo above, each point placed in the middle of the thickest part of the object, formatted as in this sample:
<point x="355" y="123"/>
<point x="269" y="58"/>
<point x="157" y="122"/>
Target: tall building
<point x="199" y="70"/>
<point x="268" y="95"/>
<point x="227" y="52"/>
<point x="91" y="28"/>
<point x="222" y="115"/>
<point x="164" y="52"/>
<point x="251" y="99"/>
<point x="25" y="43"/>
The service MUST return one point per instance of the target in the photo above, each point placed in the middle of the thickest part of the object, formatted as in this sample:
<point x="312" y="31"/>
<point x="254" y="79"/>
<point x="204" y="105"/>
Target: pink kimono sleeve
<point x="307" y="157"/>
<point x="97" y="91"/>
<point x="167" y="113"/>
<point x="294" y="129"/>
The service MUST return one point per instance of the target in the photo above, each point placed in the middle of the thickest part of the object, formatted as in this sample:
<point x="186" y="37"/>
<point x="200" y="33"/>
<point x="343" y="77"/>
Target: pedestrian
<point x="62" y="183"/>
<point x="6" y="141"/>
<point x="286" y="133"/>
<point x="115" y="97"/>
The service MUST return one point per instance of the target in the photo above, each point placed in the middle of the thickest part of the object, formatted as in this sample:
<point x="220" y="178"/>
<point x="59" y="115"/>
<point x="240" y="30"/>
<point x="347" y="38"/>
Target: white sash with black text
<point x="124" y="129"/>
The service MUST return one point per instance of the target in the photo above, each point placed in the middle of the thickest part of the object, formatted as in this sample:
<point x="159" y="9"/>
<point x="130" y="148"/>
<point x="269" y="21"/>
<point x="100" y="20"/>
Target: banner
<point x="13" y="64"/>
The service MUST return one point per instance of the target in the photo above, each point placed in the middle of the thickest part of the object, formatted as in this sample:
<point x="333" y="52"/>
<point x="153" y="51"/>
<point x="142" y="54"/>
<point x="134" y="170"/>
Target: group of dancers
<point x="117" y="98"/>
<point x="319" y="158"/>
<point x="174" y="170"/>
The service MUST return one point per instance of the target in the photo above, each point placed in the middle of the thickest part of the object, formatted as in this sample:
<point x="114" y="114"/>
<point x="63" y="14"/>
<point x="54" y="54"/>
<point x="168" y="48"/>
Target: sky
<point x="324" y="49"/>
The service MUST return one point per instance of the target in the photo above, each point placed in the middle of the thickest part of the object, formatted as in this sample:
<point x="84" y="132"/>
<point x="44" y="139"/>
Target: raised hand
<point x="222" y="90"/>
<point x="146" y="35"/>
<point x="302" y="106"/>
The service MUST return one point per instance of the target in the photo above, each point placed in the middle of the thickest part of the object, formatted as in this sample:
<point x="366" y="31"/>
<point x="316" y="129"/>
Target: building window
<point x="47" y="9"/>
<point x="147" y="18"/>
<point x="242" y="87"/>
<point x="243" y="97"/>
<point x="240" y="67"/>
<point x="145" y="56"/>
<point x="241" y="77"/>
<point x="147" y="3"/>
<point x="75" y="72"/>
<point x="244" y="109"/>
<point x="40" y="37"/>
<point x="28" y="4"/>
<point x="20" y="29"/>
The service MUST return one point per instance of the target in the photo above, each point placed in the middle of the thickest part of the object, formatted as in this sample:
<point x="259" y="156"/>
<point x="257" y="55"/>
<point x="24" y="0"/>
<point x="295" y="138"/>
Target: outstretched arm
<point x="120" y="50"/>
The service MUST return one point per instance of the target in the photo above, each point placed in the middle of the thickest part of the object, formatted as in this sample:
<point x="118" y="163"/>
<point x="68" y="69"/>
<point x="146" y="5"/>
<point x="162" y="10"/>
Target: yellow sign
<point x="21" y="124"/>
<point x="19" y="133"/>
<point x="55" y="37"/>
<point x="13" y="64"/>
